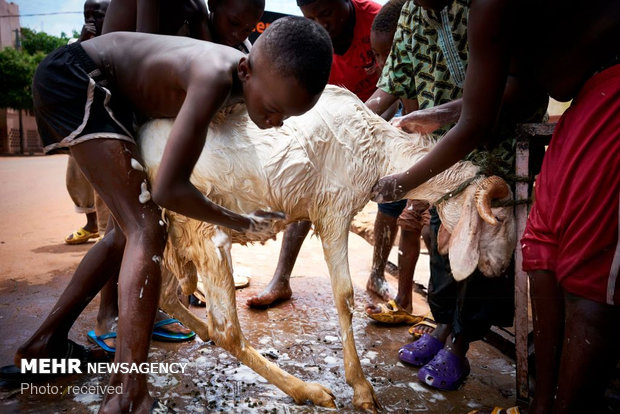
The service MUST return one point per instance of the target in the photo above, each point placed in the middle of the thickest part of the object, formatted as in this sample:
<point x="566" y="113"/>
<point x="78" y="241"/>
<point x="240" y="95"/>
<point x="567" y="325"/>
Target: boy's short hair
<point x="387" y="18"/>
<point x="300" y="48"/>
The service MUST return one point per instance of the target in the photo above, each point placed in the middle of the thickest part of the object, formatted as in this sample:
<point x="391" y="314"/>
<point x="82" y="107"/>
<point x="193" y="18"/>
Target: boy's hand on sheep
<point x="426" y="121"/>
<point x="387" y="189"/>
<point x="265" y="223"/>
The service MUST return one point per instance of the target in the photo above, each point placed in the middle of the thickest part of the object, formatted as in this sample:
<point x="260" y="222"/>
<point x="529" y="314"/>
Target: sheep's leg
<point x="225" y="331"/>
<point x="170" y="303"/>
<point x="335" y="249"/>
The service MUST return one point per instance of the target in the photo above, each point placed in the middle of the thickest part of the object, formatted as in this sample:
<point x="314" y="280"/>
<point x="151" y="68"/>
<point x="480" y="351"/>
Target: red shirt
<point x="355" y="70"/>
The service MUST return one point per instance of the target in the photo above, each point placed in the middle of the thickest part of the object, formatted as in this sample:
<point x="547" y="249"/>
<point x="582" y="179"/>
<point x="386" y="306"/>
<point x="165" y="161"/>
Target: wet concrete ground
<point x="301" y="335"/>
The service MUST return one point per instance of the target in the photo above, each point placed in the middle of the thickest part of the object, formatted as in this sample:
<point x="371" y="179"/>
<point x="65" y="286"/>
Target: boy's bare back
<point x="154" y="72"/>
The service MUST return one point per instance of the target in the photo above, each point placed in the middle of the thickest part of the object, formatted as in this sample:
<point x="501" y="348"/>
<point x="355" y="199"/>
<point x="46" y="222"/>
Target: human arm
<point x="172" y="188"/>
<point x="380" y="101"/>
<point x="147" y="16"/>
<point x="488" y="31"/>
<point x="425" y="121"/>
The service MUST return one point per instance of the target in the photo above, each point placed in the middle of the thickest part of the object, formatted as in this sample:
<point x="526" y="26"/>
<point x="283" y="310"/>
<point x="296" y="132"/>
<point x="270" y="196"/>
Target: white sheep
<point x="320" y="167"/>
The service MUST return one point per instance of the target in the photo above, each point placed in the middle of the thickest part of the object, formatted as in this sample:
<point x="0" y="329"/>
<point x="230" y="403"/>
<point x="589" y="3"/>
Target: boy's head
<point x="94" y="12"/>
<point x="383" y="29"/>
<point x="333" y="15"/>
<point x="232" y="21"/>
<point x="286" y="70"/>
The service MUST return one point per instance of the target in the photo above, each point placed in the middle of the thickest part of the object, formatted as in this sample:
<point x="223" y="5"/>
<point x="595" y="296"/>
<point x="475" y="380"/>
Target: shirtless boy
<point x="227" y="22"/>
<point x="570" y="244"/>
<point x="158" y="76"/>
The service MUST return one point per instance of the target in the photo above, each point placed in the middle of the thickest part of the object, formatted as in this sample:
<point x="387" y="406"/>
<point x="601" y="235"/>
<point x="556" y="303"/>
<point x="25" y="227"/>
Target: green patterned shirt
<point x="427" y="63"/>
<point x="429" y="55"/>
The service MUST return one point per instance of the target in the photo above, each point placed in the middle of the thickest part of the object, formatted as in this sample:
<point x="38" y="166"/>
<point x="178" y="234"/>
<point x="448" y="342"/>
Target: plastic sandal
<point x="427" y="321"/>
<point x="446" y="371"/>
<point x="100" y="340"/>
<point x="81" y="236"/>
<point x="160" y="334"/>
<point x="421" y="351"/>
<point x="393" y="314"/>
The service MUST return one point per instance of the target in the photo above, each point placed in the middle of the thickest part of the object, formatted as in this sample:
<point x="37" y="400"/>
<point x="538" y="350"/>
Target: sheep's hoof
<point x="318" y="394"/>
<point x="364" y="398"/>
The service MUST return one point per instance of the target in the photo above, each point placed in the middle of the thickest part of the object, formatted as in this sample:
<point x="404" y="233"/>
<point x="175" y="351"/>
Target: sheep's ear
<point x="443" y="240"/>
<point x="464" y="252"/>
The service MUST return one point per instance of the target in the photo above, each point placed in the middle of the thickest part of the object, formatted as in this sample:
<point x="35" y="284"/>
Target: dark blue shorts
<point x="393" y="209"/>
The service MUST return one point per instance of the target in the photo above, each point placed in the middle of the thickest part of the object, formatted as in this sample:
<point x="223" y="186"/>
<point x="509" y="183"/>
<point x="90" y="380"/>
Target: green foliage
<point x="17" y="67"/>
<point x="33" y="42"/>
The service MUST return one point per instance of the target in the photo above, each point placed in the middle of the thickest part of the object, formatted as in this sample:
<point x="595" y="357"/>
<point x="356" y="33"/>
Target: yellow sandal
<point x="81" y="236"/>
<point x="392" y="314"/>
<point x="427" y="320"/>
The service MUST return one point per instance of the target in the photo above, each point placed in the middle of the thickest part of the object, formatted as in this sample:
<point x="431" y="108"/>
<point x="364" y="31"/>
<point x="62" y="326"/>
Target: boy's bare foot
<point x="113" y="403"/>
<point x="380" y="287"/>
<point x="273" y="293"/>
<point x="174" y="327"/>
<point x="39" y="348"/>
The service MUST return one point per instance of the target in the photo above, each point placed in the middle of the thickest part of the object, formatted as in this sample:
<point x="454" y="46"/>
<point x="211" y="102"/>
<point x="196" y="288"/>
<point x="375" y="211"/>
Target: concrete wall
<point x="9" y="133"/>
<point x="8" y="25"/>
<point x="9" y="118"/>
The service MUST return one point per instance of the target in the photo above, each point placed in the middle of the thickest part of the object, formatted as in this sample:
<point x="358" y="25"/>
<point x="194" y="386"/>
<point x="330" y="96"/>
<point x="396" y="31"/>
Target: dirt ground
<point x="301" y="335"/>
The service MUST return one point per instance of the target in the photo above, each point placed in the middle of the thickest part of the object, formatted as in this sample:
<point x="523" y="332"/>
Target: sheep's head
<point x="484" y="236"/>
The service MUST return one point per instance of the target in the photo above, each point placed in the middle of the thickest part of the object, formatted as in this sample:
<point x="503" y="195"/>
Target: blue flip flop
<point x="160" y="334"/>
<point x="100" y="340"/>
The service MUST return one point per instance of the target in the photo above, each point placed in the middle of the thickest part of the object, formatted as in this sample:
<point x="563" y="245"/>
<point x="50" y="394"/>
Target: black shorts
<point x="72" y="103"/>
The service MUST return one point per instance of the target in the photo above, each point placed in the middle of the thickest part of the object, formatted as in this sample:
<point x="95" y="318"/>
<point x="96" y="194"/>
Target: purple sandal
<point x="419" y="352"/>
<point x="446" y="371"/>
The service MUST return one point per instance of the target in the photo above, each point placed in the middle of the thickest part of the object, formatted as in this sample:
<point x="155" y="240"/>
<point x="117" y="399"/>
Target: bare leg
<point x="385" y="233"/>
<point x="107" y="165"/>
<point x="107" y="317"/>
<point x="279" y="289"/>
<point x="548" y="318"/>
<point x="91" y="223"/>
<point x="407" y="259"/>
<point x="99" y="263"/>
<point x="82" y="194"/>
<point x="409" y="250"/>
<point x="590" y="352"/>
<point x="458" y="346"/>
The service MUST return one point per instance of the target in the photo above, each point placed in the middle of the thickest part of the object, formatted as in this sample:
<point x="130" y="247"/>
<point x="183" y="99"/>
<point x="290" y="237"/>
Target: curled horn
<point x="489" y="189"/>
